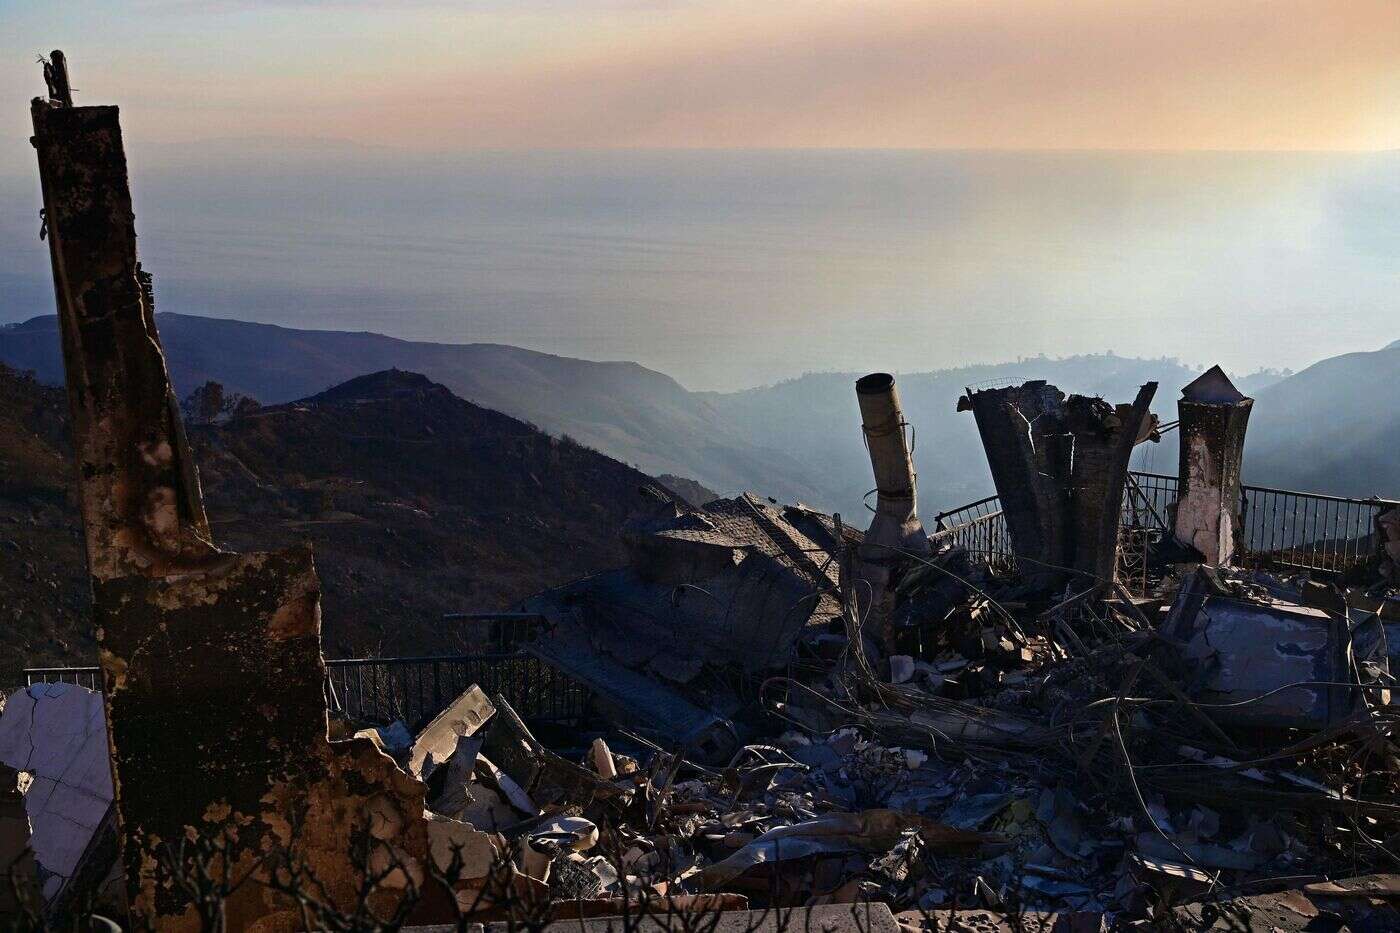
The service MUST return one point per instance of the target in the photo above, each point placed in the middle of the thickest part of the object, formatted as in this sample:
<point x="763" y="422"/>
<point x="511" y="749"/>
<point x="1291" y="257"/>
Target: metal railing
<point x="1146" y="497"/>
<point x="417" y="689"/>
<point x="1282" y="528"/>
<point x="90" y="677"/>
<point x="980" y="528"/>
<point x="381" y="690"/>
<point x="1309" y="530"/>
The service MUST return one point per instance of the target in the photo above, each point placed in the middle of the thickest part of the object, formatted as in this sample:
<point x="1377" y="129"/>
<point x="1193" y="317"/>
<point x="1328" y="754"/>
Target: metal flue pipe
<point x="896" y="524"/>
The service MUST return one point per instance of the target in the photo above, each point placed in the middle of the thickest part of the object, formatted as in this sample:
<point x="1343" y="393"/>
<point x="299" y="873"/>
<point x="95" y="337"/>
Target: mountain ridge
<point x="635" y="414"/>
<point x="797" y="440"/>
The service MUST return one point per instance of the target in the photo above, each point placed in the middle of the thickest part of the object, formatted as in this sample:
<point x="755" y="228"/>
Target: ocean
<point x="729" y="269"/>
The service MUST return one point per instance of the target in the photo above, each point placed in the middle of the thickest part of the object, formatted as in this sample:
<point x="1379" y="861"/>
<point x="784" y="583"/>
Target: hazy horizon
<point x="729" y="269"/>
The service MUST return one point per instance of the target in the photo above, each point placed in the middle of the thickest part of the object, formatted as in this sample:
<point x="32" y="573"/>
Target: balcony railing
<point x="381" y="690"/>
<point x="980" y="528"/>
<point x="1282" y="529"/>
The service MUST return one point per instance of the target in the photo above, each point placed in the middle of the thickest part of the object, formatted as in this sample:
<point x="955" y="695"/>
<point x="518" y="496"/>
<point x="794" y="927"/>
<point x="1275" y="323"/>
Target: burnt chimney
<point x="896" y="524"/>
<point x="1209" y="512"/>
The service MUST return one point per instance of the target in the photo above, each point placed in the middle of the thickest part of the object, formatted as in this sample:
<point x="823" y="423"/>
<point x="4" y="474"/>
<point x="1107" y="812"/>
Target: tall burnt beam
<point x="1209" y="508"/>
<point x="1104" y="438"/>
<point x="211" y="661"/>
<point x="1059" y="466"/>
<point x="1029" y="455"/>
<point x="1387" y="535"/>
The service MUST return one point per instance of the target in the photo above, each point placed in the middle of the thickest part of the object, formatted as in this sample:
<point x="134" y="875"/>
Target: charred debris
<point x="1045" y="717"/>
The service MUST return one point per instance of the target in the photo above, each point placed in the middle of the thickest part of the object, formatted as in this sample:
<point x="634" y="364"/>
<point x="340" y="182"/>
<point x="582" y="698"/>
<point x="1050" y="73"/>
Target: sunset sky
<point x="1019" y="74"/>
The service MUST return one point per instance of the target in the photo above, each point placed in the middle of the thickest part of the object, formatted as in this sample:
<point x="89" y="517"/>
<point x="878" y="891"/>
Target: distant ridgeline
<point x="799" y="440"/>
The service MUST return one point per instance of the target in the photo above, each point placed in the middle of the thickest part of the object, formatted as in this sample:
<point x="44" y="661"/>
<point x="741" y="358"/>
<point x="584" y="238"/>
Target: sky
<point x="465" y="74"/>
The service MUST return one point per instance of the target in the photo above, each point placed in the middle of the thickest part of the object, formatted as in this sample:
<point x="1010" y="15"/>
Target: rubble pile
<point x="1081" y="759"/>
<point x="975" y="739"/>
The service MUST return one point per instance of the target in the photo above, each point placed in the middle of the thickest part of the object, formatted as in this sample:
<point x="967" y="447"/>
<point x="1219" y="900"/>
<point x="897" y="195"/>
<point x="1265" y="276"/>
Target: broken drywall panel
<point x="56" y="733"/>
<point x="1262" y="661"/>
<point x="439" y="740"/>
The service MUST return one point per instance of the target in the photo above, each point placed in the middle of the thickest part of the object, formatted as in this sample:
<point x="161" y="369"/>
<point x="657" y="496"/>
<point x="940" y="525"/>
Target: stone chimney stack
<point x="1214" y="415"/>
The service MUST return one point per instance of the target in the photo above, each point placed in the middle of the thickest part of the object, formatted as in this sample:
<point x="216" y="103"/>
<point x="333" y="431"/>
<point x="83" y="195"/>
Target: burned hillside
<point x="417" y="502"/>
<point x="44" y="603"/>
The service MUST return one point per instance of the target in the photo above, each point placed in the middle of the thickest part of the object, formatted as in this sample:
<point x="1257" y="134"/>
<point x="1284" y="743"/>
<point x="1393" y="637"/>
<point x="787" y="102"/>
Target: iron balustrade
<point x="1282" y="529"/>
<point x="1146" y="497"/>
<point x="90" y="677"/>
<point x="382" y="690"/>
<point x="979" y="528"/>
<point x="1309" y="530"/>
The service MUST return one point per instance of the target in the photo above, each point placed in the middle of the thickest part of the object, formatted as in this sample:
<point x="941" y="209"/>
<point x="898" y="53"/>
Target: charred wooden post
<point x="1059" y="466"/>
<point x="211" y="661"/>
<point x="56" y="77"/>
<point x="1209" y="508"/>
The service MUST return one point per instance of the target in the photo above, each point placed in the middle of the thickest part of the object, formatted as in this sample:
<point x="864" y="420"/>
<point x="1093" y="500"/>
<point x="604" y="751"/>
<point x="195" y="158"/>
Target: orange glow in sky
<point x="1035" y="74"/>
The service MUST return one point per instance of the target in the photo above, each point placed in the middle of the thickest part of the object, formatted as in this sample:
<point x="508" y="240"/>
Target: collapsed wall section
<point x="1029" y="456"/>
<point x="1059" y="466"/>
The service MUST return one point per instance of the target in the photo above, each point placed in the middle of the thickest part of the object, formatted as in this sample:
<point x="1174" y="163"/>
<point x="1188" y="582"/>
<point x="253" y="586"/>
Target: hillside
<point x="633" y="414"/>
<point x="43" y="584"/>
<point x="798" y="440"/>
<point x="1342" y="412"/>
<point x="417" y="502"/>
